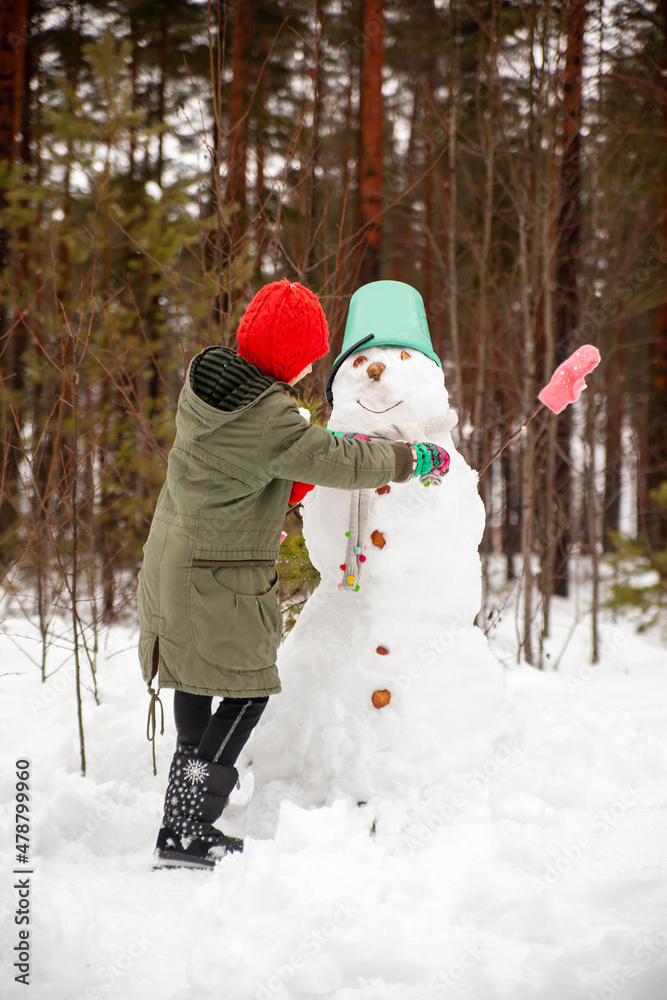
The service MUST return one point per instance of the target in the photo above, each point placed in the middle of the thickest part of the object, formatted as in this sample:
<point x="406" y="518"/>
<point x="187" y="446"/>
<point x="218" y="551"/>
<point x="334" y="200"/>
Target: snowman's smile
<point x="379" y="411"/>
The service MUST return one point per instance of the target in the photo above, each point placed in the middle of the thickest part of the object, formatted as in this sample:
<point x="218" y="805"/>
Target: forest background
<point x="160" y="161"/>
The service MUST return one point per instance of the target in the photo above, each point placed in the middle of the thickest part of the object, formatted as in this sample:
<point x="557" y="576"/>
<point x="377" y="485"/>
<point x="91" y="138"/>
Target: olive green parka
<point x="208" y="610"/>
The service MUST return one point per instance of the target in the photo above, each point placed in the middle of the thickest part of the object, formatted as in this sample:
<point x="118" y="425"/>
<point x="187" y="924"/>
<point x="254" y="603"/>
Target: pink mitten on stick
<point x="568" y="379"/>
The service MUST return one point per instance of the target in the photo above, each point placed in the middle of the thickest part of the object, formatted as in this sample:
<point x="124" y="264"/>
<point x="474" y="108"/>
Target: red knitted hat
<point x="283" y="330"/>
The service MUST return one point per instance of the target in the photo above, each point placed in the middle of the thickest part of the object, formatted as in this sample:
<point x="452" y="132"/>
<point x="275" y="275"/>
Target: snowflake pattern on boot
<point x="195" y="772"/>
<point x="187" y="778"/>
<point x="197" y="793"/>
<point x="191" y="787"/>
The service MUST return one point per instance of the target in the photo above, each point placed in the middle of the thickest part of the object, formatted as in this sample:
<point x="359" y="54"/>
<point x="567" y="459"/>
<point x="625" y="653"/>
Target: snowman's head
<point x="379" y="386"/>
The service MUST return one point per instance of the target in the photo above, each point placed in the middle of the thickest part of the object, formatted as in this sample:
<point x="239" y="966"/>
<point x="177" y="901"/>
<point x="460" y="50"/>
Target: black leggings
<point x="220" y="737"/>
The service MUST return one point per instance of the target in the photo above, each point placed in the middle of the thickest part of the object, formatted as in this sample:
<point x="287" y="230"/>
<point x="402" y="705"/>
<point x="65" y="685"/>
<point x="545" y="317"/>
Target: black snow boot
<point x="196" y="795"/>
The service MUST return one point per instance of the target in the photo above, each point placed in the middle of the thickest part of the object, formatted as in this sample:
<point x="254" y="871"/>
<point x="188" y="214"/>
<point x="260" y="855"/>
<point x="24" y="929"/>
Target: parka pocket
<point x="234" y="616"/>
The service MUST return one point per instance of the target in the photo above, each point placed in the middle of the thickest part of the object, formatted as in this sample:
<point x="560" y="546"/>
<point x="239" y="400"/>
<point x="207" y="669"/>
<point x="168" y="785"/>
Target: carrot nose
<point x="375" y="370"/>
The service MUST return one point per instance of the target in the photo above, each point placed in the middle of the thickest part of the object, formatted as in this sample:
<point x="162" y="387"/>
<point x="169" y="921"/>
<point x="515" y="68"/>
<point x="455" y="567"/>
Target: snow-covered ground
<point x="541" y="874"/>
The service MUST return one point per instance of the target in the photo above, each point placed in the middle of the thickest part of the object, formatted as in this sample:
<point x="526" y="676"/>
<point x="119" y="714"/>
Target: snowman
<point x="388" y="685"/>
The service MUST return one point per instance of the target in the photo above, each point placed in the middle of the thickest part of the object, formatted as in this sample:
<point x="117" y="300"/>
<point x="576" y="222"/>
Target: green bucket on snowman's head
<point x="384" y="314"/>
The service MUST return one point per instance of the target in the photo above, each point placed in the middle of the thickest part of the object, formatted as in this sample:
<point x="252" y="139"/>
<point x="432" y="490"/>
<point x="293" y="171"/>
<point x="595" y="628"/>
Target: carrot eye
<point x="359" y="361"/>
<point x="405" y="355"/>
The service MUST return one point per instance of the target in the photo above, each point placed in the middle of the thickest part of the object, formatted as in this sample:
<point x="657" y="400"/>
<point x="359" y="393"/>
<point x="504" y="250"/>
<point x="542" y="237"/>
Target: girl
<point x="209" y="619"/>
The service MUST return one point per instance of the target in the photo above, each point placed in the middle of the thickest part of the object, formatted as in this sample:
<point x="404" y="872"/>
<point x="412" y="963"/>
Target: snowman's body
<point x="408" y="629"/>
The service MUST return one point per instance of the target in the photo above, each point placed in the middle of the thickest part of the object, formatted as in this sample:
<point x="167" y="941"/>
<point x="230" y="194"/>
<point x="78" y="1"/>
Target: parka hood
<point x="222" y="378"/>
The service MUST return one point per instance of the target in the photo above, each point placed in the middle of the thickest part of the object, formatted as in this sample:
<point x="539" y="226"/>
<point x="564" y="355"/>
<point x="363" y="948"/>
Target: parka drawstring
<point x="151" y="724"/>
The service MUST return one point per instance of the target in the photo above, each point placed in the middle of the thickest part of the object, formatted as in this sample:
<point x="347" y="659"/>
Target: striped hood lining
<point x="223" y="379"/>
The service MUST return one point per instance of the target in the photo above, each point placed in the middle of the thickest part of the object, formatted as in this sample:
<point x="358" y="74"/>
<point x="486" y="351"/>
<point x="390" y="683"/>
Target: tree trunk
<point x="309" y="259"/>
<point x="450" y="199"/>
<point x="260" y="230"/>
<point x="429" y="162"/>
<point x="14" y="19"/>
<point x="403" y="222"/>
<point x="370" y="146"/>
<point x="237" y="125"/>
<point x="654" y="520"/>
<point x="615" y="410"/>
<point x="234" y="198"/>
<point x="592" y="519"/>
<point x="511" y="524"/>
<point x="548" y="243"/>
<point x="567" y="266"/>
<point x="528" y="468"/>
<point x="14" y="92"/>
<point x="487" y="125"/>
<point x="548" y="500"/>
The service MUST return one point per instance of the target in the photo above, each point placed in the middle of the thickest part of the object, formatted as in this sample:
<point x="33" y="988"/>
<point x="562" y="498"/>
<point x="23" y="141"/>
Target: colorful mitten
<point x="350" y="434"/>
<point x="568" y="379"/>
<point x="430" y="458"/>
<point x="299" y="491"/>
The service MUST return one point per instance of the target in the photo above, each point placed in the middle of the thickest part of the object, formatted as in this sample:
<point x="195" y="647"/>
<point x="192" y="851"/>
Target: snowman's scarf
<point x="360" y="500"/>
